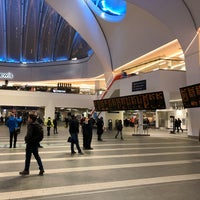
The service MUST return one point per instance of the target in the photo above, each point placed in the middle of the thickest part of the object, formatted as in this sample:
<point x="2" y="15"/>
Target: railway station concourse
<point x="88" y="42"/>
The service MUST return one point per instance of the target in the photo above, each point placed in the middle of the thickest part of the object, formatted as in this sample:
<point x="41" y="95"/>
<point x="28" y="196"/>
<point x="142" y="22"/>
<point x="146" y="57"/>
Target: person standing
<point x="83" y="130"/>
<point x="32" y="144"/>
<point x="55" y="125"/>
<point x="119" y="129"/>
<point x="87" y="131"/>
<point x="49" y="124"/>
<point x="74" y="131"/>
<point x="91" y="123"/>
<point x="100" y="128"/>
<point x="13" y="123"/>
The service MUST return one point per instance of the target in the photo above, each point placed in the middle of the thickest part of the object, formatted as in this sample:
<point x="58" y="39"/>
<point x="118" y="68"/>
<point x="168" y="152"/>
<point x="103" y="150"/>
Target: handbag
<point x="17" y="130"/>
<point x="69" y="139"/>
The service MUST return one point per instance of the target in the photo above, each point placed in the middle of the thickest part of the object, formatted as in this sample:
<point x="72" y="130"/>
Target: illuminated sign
<point x="191" y="96"/>
<point x="6" y="75"/>
<point x="146" y="101"/>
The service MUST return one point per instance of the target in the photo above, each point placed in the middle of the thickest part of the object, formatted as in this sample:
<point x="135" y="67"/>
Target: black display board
<point x="139" y="85"/>
<point x="147" y="101"/>
<point x="191" y="96"/>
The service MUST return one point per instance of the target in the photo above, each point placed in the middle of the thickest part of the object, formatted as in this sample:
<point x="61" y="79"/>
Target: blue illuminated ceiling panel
<point x="109" y="10"/>
<point x="32" y="32"/>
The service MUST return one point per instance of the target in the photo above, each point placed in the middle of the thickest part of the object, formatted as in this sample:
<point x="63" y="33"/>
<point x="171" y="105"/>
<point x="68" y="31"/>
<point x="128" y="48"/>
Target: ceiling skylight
<point x="32" y="32"/>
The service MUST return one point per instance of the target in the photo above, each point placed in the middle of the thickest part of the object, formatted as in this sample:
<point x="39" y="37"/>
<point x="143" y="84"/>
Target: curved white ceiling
<point x="147" y="26"/>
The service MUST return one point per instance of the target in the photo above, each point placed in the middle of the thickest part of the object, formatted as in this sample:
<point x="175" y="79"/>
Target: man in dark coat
<point x="100" y="127"/>
<point x="74" y="131"/>
<point x="87" y="131"/>
<point x="32" y="145"/>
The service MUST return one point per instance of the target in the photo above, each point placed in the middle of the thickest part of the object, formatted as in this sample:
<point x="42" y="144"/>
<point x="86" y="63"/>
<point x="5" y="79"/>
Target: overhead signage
<point x="146" y="101"/>
<point x="190" y="96"/>
<point x="138" y="85"/>
<point x="6" y="75"/>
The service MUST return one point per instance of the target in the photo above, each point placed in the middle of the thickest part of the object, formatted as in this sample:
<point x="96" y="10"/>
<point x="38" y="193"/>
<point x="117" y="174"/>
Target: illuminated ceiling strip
<point x="110" y="10"/>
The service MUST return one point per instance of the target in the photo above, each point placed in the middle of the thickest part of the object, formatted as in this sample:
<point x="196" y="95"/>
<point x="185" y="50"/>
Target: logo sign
<point x="6" y="75"/>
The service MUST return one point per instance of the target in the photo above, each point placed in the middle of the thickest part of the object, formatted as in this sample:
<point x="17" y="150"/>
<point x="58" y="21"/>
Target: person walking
<point x="119" y="129"/>
<point x="176" y="125"/>
<point x="179" y="125"/>
<point x="100" y="128"/>
<point x="74" y="131"/>
<point x="13" y="125"/>
<point x="32" y="139"/>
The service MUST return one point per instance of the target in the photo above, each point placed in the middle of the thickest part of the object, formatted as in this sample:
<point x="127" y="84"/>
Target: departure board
<point x="191" y="96"/>
<point x="147" y="101"/>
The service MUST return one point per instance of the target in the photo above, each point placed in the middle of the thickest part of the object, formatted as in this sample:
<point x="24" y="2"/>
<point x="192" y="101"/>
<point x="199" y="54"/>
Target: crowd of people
<point x="86" y="125"/>
<point x="14" y="123"/>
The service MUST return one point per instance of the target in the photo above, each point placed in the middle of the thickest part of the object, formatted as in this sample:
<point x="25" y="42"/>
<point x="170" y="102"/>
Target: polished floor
<point x="161" y="166"/>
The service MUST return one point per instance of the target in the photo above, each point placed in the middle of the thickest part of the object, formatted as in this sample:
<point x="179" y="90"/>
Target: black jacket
<point x="30" y="137"/>
<point x="73" y="126"/>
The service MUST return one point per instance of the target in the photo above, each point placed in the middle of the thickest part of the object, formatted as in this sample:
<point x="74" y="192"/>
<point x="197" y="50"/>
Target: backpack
<point x="38" y="132"/>
<point x="49" y="123"/>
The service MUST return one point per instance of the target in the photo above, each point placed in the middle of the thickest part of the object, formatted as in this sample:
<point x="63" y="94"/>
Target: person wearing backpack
<point x="32" y="139"/>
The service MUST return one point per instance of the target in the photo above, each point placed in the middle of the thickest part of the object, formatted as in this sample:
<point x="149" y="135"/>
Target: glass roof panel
<point x="32" y="32"/>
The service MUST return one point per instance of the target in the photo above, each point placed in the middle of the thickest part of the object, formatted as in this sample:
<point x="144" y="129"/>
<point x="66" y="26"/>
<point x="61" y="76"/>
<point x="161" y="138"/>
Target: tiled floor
<point x="156" y="167"/>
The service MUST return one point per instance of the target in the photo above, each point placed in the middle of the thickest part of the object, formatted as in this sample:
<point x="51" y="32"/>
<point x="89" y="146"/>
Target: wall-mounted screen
<point x="147" y="101"/>
<point x="139" y="85"/>
<point x="191" y="96"/>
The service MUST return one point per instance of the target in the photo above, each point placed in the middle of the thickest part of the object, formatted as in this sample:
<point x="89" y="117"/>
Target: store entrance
<point x="21" y="111"/>
<point x="131" y="116"/>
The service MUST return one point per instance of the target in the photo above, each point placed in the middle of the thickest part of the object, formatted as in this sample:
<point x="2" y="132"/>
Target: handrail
<point x="117" y="77"/>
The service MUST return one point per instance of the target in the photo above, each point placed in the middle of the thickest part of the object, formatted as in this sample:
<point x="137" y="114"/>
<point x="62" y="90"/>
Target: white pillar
<point x="192" y="61"/>
<point x="140" y="123"/>
<point x="49" y="110"/>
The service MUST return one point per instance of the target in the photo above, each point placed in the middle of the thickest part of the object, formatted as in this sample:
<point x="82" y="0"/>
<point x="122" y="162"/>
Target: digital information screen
<point x="147" y="101"/>
<point x="139" y="85"/>
<point x="191" y="96"/>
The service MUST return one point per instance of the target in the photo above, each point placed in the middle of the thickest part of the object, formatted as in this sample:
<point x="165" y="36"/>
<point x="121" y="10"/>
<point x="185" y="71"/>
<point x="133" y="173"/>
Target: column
<point x="49" y="110"/>
<point x="140" y="123"/>
<point x="192" y="61"/>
